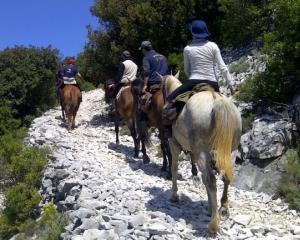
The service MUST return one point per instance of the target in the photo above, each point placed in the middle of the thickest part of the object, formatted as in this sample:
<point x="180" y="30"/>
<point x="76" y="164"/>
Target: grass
<point x="289" y="185"/>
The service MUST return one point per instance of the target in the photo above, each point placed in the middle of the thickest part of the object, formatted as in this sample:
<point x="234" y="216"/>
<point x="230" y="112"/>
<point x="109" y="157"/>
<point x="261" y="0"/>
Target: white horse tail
<point x="225" y="122"/>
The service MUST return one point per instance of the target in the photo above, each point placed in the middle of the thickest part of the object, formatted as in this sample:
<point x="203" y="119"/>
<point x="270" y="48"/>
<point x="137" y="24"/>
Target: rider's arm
<point x="223" y="68"/>
<point x="120" y="73"/>
<point x="79" y="75"/>
<point x="146" y="68"/>
<point x="187" y="66"/>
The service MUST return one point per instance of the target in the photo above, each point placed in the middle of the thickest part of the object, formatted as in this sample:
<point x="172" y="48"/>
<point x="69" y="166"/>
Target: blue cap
<point x="199" y="29"/>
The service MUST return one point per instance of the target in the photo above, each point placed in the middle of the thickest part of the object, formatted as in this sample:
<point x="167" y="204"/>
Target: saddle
<point x="146" y="98"/>
<point x="172" y="109"/>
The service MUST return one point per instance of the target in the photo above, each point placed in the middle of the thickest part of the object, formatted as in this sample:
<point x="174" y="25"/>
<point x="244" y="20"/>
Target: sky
<point x="59" y="23"/>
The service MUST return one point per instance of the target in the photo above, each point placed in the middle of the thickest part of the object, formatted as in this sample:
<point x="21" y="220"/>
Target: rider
<point x="200" y="58"/>
<point x="153" y="63"/>
<point x="126" y="73"/>
<point x="69" y="73"/>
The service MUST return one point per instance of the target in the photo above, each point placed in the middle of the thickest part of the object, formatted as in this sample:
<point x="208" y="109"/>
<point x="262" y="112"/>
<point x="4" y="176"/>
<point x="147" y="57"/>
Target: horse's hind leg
<point x="209" y="181"/>
<point x="117" y="120"/>
<point x="175" y="150"/>
<point x="223" y="211"/>
<point x="134" y="136"/>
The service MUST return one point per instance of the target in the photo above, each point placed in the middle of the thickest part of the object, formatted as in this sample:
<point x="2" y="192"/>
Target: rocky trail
<point x="108" y="194"/>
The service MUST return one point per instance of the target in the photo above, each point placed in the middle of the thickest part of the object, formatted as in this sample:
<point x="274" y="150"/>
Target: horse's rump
<point x="71" y="97"/>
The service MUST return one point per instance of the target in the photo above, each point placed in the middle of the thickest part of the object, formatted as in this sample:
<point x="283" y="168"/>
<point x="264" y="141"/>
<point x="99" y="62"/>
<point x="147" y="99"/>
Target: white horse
<point x="209" y="127"/>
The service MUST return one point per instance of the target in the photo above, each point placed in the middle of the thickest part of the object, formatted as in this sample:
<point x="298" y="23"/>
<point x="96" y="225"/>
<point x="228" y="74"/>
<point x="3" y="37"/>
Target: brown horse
<point x="125" y="111"/>
<point x="70" y="97"/>
<point x="152" y="118"/>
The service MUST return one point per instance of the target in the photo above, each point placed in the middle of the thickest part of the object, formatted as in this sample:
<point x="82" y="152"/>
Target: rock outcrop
<point x="108" y="194"/>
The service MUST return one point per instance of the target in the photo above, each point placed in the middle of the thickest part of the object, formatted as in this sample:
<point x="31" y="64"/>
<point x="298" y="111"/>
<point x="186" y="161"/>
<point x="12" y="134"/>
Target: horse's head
<point x="108" y="90"/>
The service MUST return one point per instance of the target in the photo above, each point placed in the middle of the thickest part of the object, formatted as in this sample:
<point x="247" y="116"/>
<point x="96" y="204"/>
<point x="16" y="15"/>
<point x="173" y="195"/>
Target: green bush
<point x="49" y="227"/>
<point x="86" y="86"/>
<point x="21" y="171"/>
<point x="289" y="185"/>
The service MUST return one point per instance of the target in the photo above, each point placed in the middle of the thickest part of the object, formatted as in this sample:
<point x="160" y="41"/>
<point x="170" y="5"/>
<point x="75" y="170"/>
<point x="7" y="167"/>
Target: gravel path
<point x="108" y="194"/>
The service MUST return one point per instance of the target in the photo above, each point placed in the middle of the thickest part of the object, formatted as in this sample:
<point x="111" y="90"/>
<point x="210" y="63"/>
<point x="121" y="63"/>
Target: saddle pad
<point x="70" y="82"/>
<point x="122" y="89"/>
<point x="201" y="87"/>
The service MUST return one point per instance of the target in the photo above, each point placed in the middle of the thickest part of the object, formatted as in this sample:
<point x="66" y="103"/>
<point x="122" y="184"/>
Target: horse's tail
<point x="225" y="124"/>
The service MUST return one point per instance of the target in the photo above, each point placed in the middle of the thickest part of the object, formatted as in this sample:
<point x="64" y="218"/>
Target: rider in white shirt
<point x="200" y="59"/>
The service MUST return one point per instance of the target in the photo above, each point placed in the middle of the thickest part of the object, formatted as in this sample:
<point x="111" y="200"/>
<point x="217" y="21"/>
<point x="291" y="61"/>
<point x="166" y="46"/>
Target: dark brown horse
<point x="124" y="110"/>
<point x="70" y="97"/>
<point x="152" y="118"/>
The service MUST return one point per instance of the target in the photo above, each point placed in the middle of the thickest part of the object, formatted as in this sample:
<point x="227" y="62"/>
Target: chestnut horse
<point x="70" y="97"/>
<point x="125" y="111"/>
<point x="153" y="119"/>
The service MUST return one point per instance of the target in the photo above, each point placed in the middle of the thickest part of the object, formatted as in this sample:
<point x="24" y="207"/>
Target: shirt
<point x="200" y="59"/>
<point x="69" y="71"/>
<point x="154" y="63"/>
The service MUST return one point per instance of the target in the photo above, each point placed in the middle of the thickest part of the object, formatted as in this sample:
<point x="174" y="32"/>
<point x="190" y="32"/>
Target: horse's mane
<point x="171" y="83"/>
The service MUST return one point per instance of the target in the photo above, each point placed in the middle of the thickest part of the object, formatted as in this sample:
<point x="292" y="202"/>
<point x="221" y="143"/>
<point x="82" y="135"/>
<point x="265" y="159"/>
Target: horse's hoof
<point x="224" y="213"/>
<point x="136" y="155"/>
<point x="117" y="142"/>
<point x="213" y="228"/>
<point x="146" y="160"/>
<point x="174" y="198"/>
<point x="163" y="168"/>
<point x="169" y="176"/>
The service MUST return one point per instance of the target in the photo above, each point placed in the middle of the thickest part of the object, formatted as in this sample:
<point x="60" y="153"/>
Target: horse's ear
<point x="160" y="76"/>
<point x="177" y="74"/>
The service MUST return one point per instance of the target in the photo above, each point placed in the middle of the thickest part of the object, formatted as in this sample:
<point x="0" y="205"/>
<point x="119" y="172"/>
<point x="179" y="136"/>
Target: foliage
<point x="48" y="227"/>
<point x="21" y="172"/>
<point x="176" y="63"/>
<point x="27" y="80"/>
<point x="124" y="24"/>
<point x="289" y="185"/>
<point x="281" y="80"/>
<point x="244" y="21"/>
<point x="86" y="86"/>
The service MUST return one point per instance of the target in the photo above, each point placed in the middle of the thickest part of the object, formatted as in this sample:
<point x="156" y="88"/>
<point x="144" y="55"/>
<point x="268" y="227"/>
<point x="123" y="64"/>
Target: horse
<point x="124" y="109"/>
<point x="70" y="97"/>
<point x="209" y="127"/>
<point x="154" y="119"/>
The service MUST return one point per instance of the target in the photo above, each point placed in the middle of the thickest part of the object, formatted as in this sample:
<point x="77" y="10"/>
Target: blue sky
<point x="61" y="23"/>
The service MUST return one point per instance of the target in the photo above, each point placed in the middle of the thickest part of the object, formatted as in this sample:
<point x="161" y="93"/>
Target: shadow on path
<point x="194" y="213"/>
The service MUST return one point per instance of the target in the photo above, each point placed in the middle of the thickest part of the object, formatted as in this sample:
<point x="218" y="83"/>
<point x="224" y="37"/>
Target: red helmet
<point x="71" y="61"/>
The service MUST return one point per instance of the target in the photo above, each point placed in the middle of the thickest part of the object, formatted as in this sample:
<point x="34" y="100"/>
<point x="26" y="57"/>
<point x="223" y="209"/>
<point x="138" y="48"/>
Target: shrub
<point x="289" y="185"/>
<point x="125" y="130"/>
<point x="86" y="86"/>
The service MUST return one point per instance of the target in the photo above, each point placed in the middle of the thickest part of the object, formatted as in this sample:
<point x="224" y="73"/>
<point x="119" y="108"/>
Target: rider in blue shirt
<point x="153" y="63"/>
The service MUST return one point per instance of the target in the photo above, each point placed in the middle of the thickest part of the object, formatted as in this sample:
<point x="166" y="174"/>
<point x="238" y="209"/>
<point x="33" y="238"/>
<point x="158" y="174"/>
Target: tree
<point x="125" y="24"/>
<point x="27" y="79"/>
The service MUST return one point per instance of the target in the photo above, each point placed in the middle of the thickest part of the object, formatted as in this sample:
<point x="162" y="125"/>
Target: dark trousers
<point x="117" y="89"/>
<point x="189" y="85"/>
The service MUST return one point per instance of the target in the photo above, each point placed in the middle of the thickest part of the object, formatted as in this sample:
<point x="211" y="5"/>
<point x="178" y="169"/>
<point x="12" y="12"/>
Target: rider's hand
<point x="144" y="89"/>
<point x="111" y="86"/>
